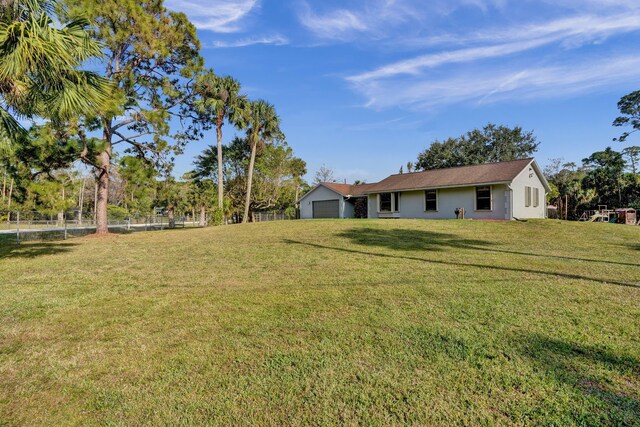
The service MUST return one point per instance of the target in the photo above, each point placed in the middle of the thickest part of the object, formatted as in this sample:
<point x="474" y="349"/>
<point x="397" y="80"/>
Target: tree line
<point x="149" y="95"/>
<point x="606" y="177"/>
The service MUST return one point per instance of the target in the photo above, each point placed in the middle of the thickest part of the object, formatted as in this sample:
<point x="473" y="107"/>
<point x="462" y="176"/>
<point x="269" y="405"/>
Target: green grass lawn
<point x="325" y="322"/>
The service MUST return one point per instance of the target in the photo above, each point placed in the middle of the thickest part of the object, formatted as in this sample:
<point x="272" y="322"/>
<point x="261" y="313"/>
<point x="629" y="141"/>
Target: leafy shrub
<point x="117" y="213"/>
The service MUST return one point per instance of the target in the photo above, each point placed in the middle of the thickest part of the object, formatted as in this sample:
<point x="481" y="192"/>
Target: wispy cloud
<point x="333" y="25"/>
<point x="220" y="16"/>
<point x="527" y="60"/>
<point x="571" y="32"/>
<point x="276" y="40"/>
<point x="491" y="85"/>
<point x="372" y="20"/>
<point x="574" y="30"/>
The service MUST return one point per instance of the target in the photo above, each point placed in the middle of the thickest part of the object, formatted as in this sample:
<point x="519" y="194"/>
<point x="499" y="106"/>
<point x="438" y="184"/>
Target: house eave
<point x="321" y="185"/>
<point x="471" y="184"/>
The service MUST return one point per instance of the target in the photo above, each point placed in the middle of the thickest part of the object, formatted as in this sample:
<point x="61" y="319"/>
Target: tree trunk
<point x="247" y="203"/>
<point x="102" y="180"/>
<point x="172" y="216"/>
<point x="4" y="186"/>
<point x="10" y="195"/>
<point x="203" y="216"/>
<point x="81" y="201"/>
<point x="220" y="163"/>
<point x="102" y="189"/>
<point x="619" y="193"/>
<point x="95" y="199"/>
<point x="61" y="213"/>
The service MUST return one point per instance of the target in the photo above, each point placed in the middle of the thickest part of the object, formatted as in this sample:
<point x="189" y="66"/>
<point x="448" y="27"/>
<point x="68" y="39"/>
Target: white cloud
<point x="575" y="29"/>
<point x="276" y="40"/>
<point x="491" y="85"/>
<point x="571" y="32"/>
<point x="373" y="20"/>
<point x="220" y="16"/>
<point x="334" y="25"/>
<point x="469" y="70"/>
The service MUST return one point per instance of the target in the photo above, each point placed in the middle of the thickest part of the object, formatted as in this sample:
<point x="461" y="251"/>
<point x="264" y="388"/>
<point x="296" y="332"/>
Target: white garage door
<point x="326" y="209"/>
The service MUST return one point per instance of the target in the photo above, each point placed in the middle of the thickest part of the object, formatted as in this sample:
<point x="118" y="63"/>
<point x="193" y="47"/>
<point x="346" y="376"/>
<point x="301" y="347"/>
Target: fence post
<point x="17" y="226"/>
<point x="64" y="218"/>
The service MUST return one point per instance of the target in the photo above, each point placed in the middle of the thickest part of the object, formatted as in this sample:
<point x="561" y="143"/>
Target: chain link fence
<point x="275" y="216"/>
<point x="21" y="226"/>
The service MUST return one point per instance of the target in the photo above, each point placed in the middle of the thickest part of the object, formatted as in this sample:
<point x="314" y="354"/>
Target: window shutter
<point x="536" y="197"/>
<point x="527" y="196"/>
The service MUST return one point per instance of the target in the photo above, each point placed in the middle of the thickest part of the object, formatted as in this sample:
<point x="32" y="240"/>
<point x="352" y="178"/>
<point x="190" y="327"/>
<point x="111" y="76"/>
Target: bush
<point x="117" y="213"/>
<point x="291" y="212"/>
<point x="361" y="207"/>
<point x="217" y="216"/>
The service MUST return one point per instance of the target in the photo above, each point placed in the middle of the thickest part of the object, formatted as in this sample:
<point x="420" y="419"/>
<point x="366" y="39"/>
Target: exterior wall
<point x="412" y="204"/>
<point x="528" y="178"/>
<point x="319" y="193"/>
<point x="349" y="210"/>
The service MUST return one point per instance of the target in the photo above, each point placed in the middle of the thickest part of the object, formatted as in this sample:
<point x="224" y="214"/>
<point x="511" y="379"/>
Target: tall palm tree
<point x="39" y="62"/>
<point x="263" y="126"/>
<point x="220" y="98"/>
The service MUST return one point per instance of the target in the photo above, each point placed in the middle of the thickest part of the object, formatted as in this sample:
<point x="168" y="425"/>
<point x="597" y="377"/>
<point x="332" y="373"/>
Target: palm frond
<point x="10" y="131"/>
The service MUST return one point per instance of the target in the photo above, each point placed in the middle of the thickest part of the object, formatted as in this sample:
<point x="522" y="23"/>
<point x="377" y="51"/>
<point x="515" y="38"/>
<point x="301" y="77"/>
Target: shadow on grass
<point x="430" y="241"/>
<point x="410" y="240"/>
<point x="402" y="239"/>
<point x="32" y="249"/>
<point x="603" y="387"/>
<point x="582" y="368"/>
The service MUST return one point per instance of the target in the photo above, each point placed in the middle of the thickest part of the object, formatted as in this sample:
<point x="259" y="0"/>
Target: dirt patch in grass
<point x="102" y="236"/>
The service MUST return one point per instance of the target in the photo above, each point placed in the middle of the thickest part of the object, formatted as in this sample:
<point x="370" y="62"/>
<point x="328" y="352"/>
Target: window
<point x="536" y="197"/>
<point x="483" y="198"/>
<point x="385" y="202"/>
<point x="388" y="202"/>
<point x="431" y="200"/>
<point x="527" y="196"/>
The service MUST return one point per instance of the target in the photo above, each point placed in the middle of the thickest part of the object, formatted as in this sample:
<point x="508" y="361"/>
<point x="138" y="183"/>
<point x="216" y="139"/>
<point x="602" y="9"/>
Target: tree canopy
<point x="152" y="59"/>
<point x="629" y="106"/>
<point x="600" y="180"/>
<point x="490" y="144"/>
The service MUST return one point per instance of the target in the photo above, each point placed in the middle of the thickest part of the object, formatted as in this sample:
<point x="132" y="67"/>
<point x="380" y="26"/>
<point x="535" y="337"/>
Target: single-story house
<point x="331" y="200"/>
<point x="506" y="190"/>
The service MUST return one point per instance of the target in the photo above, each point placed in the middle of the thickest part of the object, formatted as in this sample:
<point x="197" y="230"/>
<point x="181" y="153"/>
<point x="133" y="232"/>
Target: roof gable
<point x="344" y="190"/>
<point x="487" y="173"/>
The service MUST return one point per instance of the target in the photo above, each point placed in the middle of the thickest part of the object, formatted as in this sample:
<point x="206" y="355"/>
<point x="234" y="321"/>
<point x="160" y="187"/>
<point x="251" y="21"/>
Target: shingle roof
<point x="452" y="177"/>
<point x="347" y="189"/>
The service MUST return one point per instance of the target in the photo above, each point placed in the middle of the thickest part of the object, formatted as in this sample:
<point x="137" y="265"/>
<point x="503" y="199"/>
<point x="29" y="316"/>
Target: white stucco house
<point x="506" y="190"/>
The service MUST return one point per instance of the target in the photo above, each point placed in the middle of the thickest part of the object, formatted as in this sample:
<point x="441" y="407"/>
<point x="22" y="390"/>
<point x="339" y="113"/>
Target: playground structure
<point x="603" y="214"/>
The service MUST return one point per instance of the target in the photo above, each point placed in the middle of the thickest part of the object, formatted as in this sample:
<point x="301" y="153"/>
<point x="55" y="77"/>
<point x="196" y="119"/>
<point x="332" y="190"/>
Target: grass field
<point x="325" y="322"/>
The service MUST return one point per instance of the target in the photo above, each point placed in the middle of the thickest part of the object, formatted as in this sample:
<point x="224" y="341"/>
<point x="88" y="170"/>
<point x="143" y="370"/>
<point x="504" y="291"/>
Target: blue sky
<point x="363" y="86"/>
